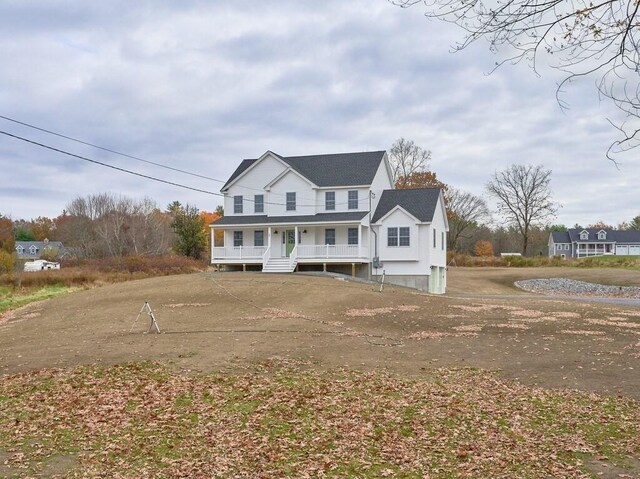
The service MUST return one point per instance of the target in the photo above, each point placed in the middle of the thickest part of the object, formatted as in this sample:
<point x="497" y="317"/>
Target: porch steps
<point x="277" y="265"/>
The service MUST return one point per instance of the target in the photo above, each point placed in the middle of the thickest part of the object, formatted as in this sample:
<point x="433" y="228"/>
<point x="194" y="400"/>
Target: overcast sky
<point x="200" y="85"/>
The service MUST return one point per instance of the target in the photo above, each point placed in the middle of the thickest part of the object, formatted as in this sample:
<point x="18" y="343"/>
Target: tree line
<point x="108" y="225"/>
<point x="525" y="209"/>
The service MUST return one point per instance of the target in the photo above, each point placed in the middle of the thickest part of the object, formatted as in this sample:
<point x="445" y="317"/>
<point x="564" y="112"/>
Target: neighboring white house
<point x="583" y="242"/>
<point x="335" y="212"/>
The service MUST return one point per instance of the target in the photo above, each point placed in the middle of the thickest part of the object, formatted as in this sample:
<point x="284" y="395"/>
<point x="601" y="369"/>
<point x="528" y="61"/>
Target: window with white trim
<point x="352" y="236"/>
<point x="258" y="204"/>
<point x="442" y="240"/>
<point x="330" y="200"/>
<point x="602" y="235"/>
<point x="237" y="238"/>
<point x="330" y="236"/>
<point x="353" y="200"/>
<point x="584" y="235"/>
<point x="399" y="236"/>
<point x="435" y="235"/>
<point x="237" y="204"/>
<point x="405" y="236"/>
<point x="291" y="201"/>
<point x="258" y="238"/>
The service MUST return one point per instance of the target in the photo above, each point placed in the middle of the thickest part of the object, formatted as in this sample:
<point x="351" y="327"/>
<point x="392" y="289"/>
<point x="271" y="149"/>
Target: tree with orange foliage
<point x="7" y="238"/>
<point x="420" y="179"/>
<point x="211" y="217"/>
<point x="483" y="248"/>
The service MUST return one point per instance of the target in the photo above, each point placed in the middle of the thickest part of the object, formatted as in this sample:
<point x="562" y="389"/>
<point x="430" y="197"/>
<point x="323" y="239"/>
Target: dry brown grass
<point x="104" y="271"/>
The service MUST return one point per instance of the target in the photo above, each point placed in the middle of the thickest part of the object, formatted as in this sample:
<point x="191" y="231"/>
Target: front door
<point x="290" y="239"/>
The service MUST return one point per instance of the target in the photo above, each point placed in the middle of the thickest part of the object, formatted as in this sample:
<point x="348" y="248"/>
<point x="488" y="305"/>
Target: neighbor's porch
<point x="594" y="249"/>
<point x="300" y="243"/>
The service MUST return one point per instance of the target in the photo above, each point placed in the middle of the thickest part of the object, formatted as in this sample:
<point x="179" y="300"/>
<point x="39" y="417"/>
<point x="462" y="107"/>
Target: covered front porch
<point x="594" y="249"/>
<point x="280" y="248"/>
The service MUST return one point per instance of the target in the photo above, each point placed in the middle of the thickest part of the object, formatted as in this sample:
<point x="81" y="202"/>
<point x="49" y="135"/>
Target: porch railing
<point x="332" y="251"/>
<point x="239" y="252"/>
<point x="299" y="252"/>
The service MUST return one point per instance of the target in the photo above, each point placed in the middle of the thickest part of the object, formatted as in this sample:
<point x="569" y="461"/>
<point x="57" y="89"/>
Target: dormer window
<point x="602" y="235"/>
<point x="20" y="249"/>
<point x="33" y="249"/>
<point x="584" y="235"/>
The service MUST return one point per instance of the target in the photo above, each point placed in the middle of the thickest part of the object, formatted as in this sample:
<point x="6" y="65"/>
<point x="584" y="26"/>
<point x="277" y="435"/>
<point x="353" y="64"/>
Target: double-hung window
<point x="330" y="200"/>
<point x="258" y="204"/>
<point x="237" y="238"/>
<point x="258" y="238"/>
<point x="405" y="236"/>
<point x="435" y="235"/>
<point x="392" y="236"/>
<point x="291" y="201"/>
<point x="352" y="236"/>
<point x="353" y="200"/>
<point x="330" y="236"/>
<point x="237" y="204"/>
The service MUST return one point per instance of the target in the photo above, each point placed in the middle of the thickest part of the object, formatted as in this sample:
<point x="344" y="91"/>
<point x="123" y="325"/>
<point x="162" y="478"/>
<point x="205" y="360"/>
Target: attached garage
<point x="622" y="250"/>
<point x="634" y="249"/>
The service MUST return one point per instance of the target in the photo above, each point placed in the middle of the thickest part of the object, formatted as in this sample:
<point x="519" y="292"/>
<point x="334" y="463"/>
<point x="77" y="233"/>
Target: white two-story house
<point x="335" y="212"/>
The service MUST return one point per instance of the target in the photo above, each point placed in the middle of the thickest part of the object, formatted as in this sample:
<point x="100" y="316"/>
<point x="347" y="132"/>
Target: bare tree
<point x="465" y="211"/>
<point x="524" y="197"/>
<point x="108" y="225"/>
<point x="579" y="38"/>
<point x="407" y="158"/>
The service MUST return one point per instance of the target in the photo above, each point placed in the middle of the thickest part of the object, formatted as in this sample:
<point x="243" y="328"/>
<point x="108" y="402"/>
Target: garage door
<point x="634" y="250"/>
<point x="622" y="250"/>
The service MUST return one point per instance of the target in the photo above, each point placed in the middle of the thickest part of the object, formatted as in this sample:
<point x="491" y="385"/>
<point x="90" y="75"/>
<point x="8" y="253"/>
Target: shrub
<point x="49" y="254"/>
<point x="483" y="248"/>
<point x="6" y="262"/>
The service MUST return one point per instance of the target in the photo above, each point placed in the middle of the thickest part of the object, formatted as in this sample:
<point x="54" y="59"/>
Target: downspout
<point x="375" y="241"/>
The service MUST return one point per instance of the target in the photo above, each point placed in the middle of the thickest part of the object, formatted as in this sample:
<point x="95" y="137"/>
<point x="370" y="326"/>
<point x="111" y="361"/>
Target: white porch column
<point x="359" y="240"/>
<point x="213" y="242"/>
<point x="269" y="237"/>
<point x="295" y="241"/>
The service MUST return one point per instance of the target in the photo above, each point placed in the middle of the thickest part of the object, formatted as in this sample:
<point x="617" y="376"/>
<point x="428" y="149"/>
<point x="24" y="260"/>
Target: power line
<point x="136" y="158"/>
<point x="126" y="155"/>
<point x="115" y="152"/>
<point x="124" y="170"/>
<point x="109" y="166"/>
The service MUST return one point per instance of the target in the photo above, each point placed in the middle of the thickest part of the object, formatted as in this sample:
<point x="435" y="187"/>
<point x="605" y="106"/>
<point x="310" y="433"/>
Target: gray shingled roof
<point x="613" y="236"/>
<point x="40" y="244"/>
<point x="420" y="202"/>
<point x="240" y="220"/>
<point x="560" y="237"/>
<point x="629" y="236"/>
<point x="339" y="169"/>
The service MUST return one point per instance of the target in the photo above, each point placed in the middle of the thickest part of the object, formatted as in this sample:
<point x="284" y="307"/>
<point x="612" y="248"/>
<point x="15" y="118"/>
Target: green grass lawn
<point x="144" y="420"/>
<point x="612" y="261"/>
<point x="10" y="299"/>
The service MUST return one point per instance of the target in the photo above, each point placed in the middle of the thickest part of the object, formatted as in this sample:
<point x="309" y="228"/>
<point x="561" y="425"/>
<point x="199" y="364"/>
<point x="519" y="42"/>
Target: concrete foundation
<point x="420" y="282"/>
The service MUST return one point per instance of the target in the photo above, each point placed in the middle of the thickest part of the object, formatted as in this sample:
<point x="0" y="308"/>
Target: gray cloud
<point x="201" y="85"/>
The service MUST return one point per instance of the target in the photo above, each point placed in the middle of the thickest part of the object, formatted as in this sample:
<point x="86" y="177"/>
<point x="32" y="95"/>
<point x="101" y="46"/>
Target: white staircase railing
<point x="293" y="258"/>
<point x="266" y="256"/>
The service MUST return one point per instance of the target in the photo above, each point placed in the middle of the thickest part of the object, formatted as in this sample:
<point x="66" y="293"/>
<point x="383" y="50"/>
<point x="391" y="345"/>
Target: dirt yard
<point x="224" y="322"/>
